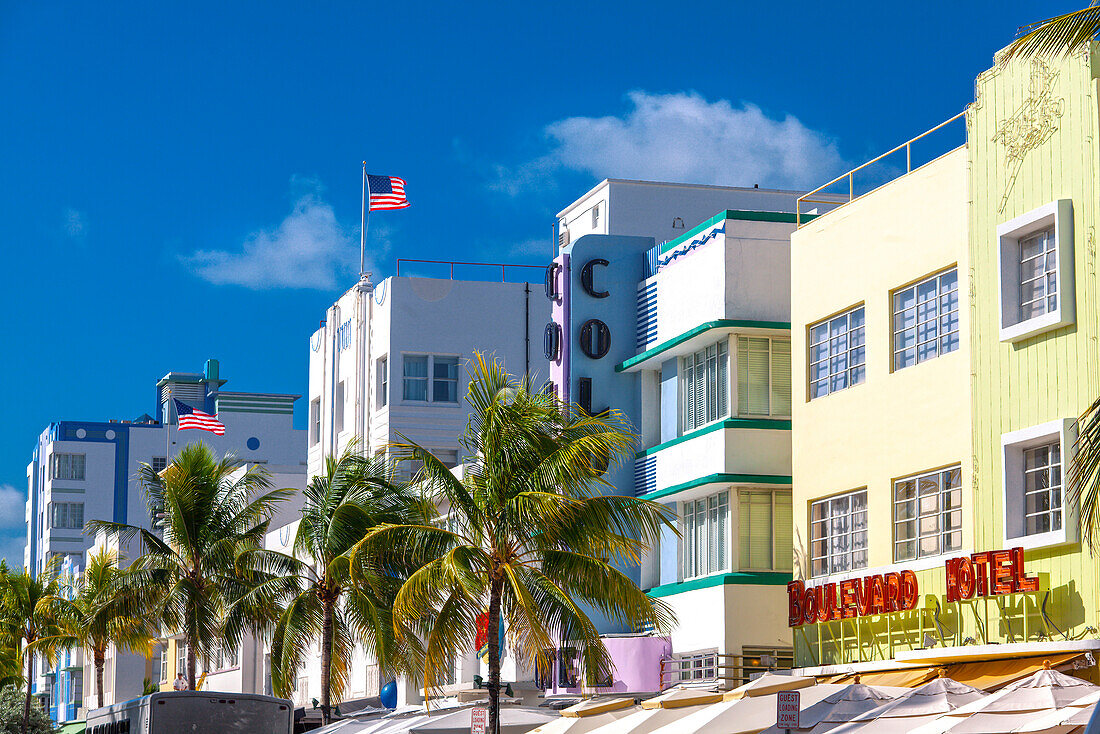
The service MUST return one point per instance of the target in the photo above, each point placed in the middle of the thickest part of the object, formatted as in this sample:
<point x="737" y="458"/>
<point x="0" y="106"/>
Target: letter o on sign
<point x="595" y="338"/>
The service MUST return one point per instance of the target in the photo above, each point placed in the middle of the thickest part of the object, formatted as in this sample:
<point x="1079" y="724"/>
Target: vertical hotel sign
<point x="992" y="573"/>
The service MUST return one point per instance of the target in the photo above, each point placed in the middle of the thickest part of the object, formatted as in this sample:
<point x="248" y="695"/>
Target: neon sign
<point x="991" y="573"/>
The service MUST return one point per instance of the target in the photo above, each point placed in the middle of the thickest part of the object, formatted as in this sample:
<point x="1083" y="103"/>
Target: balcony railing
<point x="450" y="267"/>
<point x="713" y="669"/>
<point x="821" y="191"/>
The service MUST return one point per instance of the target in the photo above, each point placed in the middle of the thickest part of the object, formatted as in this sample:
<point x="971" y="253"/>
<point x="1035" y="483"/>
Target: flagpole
<point x="363" y="222"/>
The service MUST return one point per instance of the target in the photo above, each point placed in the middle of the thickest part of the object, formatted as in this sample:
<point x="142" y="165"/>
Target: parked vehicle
<point x="190" y="712"/>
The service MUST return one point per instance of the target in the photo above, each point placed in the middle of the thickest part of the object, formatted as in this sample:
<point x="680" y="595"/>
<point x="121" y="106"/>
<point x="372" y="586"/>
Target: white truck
<point x="194" y="712"/>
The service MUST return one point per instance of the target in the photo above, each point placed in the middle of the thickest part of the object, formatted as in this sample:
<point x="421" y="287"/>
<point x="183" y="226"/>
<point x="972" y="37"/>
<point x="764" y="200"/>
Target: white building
<point x="87" y="470"/>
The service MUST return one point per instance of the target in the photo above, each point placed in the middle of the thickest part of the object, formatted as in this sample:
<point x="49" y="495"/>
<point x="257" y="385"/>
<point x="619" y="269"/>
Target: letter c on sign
<point x="586" y="278"/>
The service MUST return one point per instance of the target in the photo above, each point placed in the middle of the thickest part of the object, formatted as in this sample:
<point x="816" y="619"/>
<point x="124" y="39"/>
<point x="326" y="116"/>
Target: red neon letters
<point x="982" y="574"/>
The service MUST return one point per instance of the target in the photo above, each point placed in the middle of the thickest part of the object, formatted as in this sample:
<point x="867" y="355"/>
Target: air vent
<point x="563" y="238"/>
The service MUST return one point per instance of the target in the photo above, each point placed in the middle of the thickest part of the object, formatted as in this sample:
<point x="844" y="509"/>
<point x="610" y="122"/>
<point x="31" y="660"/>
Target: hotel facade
<point x="944" y="327"/>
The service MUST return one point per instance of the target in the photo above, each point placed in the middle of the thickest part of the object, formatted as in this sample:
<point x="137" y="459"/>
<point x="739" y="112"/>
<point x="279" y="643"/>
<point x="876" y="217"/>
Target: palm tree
<point x="108" y="610"/>
<point x="312" y="591"/>
<point x="210" y="517"/>
<point x="32" y="615"/>
<point x="1060" y="35"/>
<point x="529" y="536"/>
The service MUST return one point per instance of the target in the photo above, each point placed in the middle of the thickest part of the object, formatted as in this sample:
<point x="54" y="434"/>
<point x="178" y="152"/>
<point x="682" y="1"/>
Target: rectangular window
<point x="706" y="532"/>
<point x="704" y="386"/>
<point x="928" y="514"/>
<point x="181" y="658"/>
<point x="445" y="379"/>
<point x="763" y="376"/>
<point x="383" y="382"/>
<point x="695" y="666"/>
<point x="838" y="534"/>
<point x="1043" y="489"/>
<point x="764" y="522"/>
<point x="315" y="421"/>
<point x="68" y="515"/>
<point x="414" y="378"/>
<point x="164" y="664"/>
<point x="756" y="660"/>
<point x="595" y="216"/>
<point x="837" y="353"/>
<point x="926" y="319"/>
<point x="76" y="688"/>
<point x="1038" y="275"/>
<point x="339" y="407"/>
<point x="68" y="466"/>
<point x="159" y="463"/>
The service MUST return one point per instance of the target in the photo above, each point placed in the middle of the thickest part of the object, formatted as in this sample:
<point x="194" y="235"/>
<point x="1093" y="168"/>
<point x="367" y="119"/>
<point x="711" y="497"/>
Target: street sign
<point x="479" y="720"/>
<point x="787" y="707"/>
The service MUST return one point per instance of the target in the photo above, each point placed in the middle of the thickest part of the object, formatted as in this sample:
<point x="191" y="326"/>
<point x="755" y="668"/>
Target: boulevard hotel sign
<point x="992" y="573"/>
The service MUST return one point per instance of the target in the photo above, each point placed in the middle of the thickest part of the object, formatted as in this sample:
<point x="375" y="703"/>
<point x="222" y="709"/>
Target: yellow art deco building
<point x="944" y="340"/>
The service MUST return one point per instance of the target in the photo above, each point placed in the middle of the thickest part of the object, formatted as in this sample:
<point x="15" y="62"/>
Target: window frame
<point x="937" y="320"/>
<point x="430" y="380"/>
<point x="687" y="385"/>
<point x="1014" y="446"/>
<point x="53" y="512"/>
<point x="851" y="366"/>
<point x="940" y="513"/>
<point x="776" y="550"/>
<point x="449" y="382"/>
<point x="315" y="421"/>
<point x="338" y="407"/>
<point x="852" y="532"/>
<point x="382" y="369"/>
<point x="71" y="457"/>
<point x="1056" y="215"/>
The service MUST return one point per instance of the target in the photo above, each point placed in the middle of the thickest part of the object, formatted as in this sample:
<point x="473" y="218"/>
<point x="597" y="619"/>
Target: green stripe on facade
<point x="701" y="328"/>
<point x="66" y="538"/>
<point x="65" y="490"/>
<point x="740" y="215"/>
<point x="766" y="424"/>
<point x="742" y="578"/>
<point x="717" y="479"/>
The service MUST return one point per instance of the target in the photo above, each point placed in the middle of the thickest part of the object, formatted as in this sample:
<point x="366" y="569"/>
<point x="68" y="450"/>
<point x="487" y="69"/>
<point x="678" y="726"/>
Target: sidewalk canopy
<point x="513" y="720"/>
<point x="913" y="709"/>
<point x="771" y="683"/>
<point x="747" y="715"/>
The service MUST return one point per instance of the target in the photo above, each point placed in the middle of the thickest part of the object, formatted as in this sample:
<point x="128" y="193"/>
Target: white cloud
<point x="309" y="249"/>
<point x="74" y="223"/>
<point x="684" y="137"/>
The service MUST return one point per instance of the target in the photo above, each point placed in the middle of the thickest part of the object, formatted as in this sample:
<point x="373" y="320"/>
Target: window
<point x="68" y="466"/>
<point x="1035" y="511"/>
<point x="1038" y="275"/>
<point x="763" y="376"/>
<point x="415" y="378"/>
<point x="595" y="216"/>
<point x="837" y="353"/>
<point x="701" y="665"/>
<point x="159" y="463"/>
<point x="705" y="539"/>
<point x="928" y="514"/>
<point x="704" y="384"/>
<point x="1035" y="269"/>
<point x="68" y="515"/>
<point x="164" y="664"/>
<point x="76" y="689"/>
<point x="838" y="534"/>
<point x="383" y="382"/>
<point x="926" y="319"/>
<point x="181" y="658"/>
<point x="764" y="530"/>
<point x="315" y="421"/>
<point x="445" y="379"/>
<point x="338" y="408"/>
<point x="225" y="657"/>
<point x="1043" y="489"/>
<point x="762" y="659"/>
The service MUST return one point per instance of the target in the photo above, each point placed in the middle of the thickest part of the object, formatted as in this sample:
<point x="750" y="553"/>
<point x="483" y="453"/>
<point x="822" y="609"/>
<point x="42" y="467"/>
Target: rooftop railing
<point x="907" y="146"/>
<point x="450" y="267"/>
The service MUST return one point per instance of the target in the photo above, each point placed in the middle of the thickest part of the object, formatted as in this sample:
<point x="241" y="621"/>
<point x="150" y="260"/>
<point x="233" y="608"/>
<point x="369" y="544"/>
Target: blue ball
<point x="388" y="695"/>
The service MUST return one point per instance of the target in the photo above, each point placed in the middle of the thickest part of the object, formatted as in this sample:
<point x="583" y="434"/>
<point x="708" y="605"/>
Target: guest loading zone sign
<point x="992" y="573"/>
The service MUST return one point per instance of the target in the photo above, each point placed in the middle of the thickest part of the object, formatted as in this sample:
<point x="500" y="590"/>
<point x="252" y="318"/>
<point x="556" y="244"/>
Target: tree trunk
<point x="27" y="702"/>
<point x="190" y="666"/>
<point x="326" y="658"/>
<point x="495" y="592"/>
<point x="98" y="656"/>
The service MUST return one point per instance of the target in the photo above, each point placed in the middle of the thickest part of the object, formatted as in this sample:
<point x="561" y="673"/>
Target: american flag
<point x="191" y="418"/>
<point x="386" y="192"/>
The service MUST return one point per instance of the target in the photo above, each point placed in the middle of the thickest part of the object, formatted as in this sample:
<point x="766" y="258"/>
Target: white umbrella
<point x="581" y="724"/>
<point x="911" y="710"/>
<point x="747" y="715"/>
<point x="843" y="706"/>
<point x="513" y="720"/>
<point x="771" y="683"/>
<point x="660" y="712"/>
<point x="1012" y="706"/>
<point x="1071" y="719"/>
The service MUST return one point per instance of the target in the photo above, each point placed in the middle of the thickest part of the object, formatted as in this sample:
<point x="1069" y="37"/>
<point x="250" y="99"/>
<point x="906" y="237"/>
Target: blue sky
<point x="182" y="180"/>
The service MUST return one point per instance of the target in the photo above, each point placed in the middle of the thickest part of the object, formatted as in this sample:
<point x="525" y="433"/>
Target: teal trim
<point x="741" y="578"/>
<point x="701" y="328"/>
<point x="717" y="479"/>
<point x="737" y="214"/>
<point x="729" y="423"/>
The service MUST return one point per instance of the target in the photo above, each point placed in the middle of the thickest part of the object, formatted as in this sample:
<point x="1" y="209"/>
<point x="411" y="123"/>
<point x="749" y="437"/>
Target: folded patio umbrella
<point x="747" y="715"/>
<point x="513" y="720"/>
<point x="853" y="700"/>
<point x="771" y="683"/>
<point x="588" y="715"/>
<point x="1071" y="719"/>
<point x="913" y="709"/>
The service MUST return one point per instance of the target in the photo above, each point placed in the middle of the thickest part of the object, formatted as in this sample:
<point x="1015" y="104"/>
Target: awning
<point x="988" y="675"/>
<point x="73" y="727"/>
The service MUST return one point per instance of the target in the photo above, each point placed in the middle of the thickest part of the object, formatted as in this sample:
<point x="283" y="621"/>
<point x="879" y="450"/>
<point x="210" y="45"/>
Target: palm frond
<point x="1057" y="36"/>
